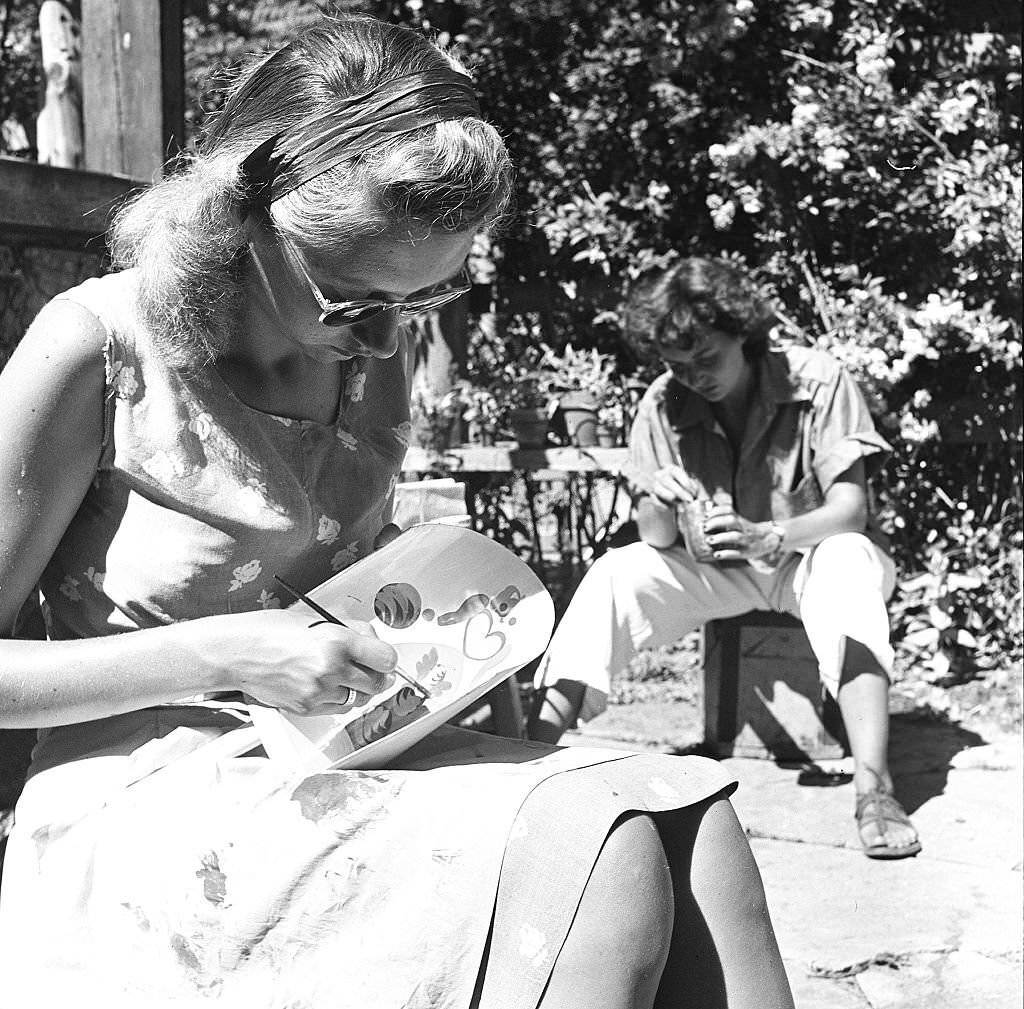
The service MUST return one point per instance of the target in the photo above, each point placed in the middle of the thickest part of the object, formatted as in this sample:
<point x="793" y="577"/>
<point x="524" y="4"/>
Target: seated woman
<point x="774" y="446"/>
<point x="226" y="407"/>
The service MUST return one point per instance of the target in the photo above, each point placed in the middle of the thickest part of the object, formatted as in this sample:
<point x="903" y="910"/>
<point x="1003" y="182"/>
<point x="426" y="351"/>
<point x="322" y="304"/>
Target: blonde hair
<point x="185" y="235"/>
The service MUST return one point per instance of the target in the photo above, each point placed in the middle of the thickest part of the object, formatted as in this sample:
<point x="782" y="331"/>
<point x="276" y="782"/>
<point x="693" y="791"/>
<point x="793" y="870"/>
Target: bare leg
<point x="616" y="949"/>
<point x="554" y="710"/>
<point x="864" y="702"/>
<point x="724" y="951"/>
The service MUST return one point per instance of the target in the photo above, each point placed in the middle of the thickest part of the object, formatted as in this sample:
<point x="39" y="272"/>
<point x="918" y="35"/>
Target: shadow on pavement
<point x="920" y="750"/>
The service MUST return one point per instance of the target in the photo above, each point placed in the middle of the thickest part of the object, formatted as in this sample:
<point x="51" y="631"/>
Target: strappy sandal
<point x="881" y="811"/>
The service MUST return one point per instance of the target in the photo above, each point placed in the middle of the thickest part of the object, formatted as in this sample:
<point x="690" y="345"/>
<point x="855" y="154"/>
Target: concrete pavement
<point x="941" y="930"/>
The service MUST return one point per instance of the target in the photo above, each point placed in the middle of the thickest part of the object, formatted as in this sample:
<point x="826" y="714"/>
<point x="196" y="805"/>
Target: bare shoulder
<point x="64" y="341"/>
<point x="56" y="373"/>
<point x="51" y="437"/>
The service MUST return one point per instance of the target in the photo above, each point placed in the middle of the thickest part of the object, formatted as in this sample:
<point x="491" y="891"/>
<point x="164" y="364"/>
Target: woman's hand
<point x="671" y="485"/>
<point x="734" y="538"/>
<point x="283" y="660"/>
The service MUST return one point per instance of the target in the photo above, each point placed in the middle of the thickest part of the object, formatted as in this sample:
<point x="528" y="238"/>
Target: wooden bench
<point x="762" y="694"/>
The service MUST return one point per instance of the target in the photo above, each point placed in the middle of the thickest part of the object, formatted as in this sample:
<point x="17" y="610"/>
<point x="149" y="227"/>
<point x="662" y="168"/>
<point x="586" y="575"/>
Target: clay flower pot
<point x="579" y="410"/>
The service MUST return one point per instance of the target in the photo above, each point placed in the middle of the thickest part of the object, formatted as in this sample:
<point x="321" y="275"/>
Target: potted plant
<point x="584" y="378"/>
<point x="528" y="398"/>
<point x="482" y="415"/>
<point x="435" y="417"/>
<point x="613" y="416"/>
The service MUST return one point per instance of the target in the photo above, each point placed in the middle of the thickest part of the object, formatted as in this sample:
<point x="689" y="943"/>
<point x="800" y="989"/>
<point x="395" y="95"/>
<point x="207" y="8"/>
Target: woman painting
<point x="223" y="408"/>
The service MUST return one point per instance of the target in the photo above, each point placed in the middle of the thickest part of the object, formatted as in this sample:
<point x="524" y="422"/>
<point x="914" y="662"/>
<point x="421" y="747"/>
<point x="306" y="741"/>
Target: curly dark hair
<point x="695" y="295"/>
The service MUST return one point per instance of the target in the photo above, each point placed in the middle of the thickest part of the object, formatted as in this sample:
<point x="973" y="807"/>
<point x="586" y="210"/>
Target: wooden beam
<point x="57" y="207"/>
<point x="132" y="84"/>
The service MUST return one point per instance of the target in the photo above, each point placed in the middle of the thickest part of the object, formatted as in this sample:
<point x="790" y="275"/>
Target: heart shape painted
<point x="479" y="641"/>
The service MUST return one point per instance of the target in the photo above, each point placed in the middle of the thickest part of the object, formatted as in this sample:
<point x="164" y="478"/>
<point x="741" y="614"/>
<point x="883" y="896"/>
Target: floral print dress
<point x="150" y="865"/>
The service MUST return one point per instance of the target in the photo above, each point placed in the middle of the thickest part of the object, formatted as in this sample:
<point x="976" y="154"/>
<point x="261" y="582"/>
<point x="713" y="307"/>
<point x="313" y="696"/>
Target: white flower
<point x="269" y="601"/>
<point x="938" y="312"/>
<point x="873" y="64"/>
<point x="328" y="530"/>
<point x="344" y="557"/>
<point x="69" y="588"/>
<point x="915" y="430"/>
<point x="201" y="425"/>
<point x="749" y="199"/>
<point x="124" y="382"/>
<point x="833" y="159"/>
<point x="719" y="154"/>
<point x="913" y="343"/>
<point x="244" y="574"/>
<point x="95" y="578"/>
<point x="804" y="114"/>
<point x="723" y="216"/>
<point x="954" y="114"/>
<point x="355" y="387"/>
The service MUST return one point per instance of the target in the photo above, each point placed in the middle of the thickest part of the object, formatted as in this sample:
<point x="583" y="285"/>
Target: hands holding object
<point x="329" y="618"/>
<point x="712" y="530"/>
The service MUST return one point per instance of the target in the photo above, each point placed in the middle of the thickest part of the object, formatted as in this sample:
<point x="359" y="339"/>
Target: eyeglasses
<point x="348" y="313"/>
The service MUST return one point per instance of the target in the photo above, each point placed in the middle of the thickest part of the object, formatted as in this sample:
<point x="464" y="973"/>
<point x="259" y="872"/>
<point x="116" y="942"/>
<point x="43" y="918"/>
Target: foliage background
<point x="862" y="157"/>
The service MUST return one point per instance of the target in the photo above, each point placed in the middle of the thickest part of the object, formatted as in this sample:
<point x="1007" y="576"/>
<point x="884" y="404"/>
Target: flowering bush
<point x="868" y="170"/>
<point x="578" y="370"/>
<point x="862" y="157"/>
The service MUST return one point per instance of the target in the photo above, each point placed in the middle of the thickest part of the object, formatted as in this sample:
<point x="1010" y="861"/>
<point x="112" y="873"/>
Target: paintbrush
<point x="332" y="619"/>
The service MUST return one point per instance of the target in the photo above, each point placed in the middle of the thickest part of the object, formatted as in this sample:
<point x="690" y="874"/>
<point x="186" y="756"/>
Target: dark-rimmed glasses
<point x="348" y="313"/>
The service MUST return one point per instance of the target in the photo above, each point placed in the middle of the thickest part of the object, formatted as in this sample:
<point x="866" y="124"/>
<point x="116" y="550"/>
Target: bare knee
<point x="713" y="860"/>
<point x="626" y="915"/>
<point x="632" y="874"/>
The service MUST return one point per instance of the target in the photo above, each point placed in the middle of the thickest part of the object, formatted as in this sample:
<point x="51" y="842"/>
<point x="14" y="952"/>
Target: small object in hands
<point x="691" y="516"/>
<point x="332" y="619"/>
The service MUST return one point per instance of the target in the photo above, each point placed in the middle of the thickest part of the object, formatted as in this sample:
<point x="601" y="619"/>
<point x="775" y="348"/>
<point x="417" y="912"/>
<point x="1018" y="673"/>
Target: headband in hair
<point x="401" y="105"/>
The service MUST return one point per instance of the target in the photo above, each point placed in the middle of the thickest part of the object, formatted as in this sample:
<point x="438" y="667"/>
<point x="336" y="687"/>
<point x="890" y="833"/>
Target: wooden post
<point x="59" y="124"/>
<point x="133" y="85"/>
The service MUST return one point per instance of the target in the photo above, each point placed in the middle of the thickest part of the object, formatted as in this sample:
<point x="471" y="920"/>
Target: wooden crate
<point x="762" y="694"/>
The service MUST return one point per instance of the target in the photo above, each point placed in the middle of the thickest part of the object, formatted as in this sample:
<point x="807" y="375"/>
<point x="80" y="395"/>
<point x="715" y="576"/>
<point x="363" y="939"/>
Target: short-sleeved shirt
<point x="808" y="424"/>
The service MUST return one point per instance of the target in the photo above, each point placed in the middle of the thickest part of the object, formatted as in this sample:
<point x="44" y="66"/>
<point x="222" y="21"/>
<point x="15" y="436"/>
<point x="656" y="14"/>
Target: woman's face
<point x="714" y="367"/>
<point x="384" y="268"/>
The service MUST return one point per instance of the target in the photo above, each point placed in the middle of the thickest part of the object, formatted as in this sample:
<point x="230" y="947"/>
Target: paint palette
<point x="462" y="612"/>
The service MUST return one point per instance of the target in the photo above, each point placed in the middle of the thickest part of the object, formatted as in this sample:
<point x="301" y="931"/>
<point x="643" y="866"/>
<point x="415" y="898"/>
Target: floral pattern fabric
<point x="200" y="500"/>
<point x="152" y="866"/>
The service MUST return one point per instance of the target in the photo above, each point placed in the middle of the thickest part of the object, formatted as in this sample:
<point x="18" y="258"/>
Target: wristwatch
<point x="780" y="537"/>
<point x="768" y="562"/>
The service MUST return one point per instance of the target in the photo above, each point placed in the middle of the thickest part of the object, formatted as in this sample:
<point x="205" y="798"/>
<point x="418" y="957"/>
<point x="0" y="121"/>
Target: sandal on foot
<point x="881" y="810"/>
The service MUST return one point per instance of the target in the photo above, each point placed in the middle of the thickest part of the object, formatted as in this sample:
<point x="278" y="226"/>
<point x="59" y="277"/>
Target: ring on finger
<point x="348" y="697"/>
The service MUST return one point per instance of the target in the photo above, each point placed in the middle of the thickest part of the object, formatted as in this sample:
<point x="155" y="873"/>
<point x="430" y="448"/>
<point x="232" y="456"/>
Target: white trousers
<point x="639" y="597"/>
